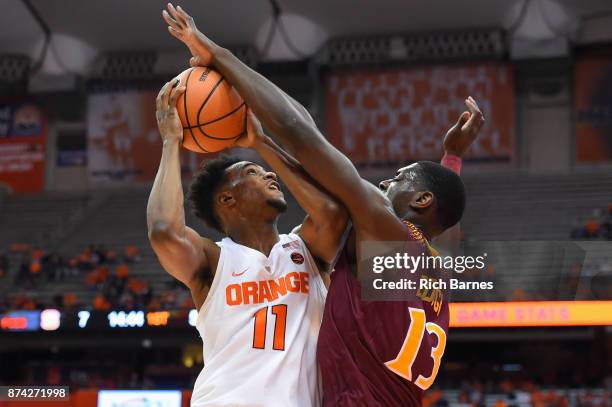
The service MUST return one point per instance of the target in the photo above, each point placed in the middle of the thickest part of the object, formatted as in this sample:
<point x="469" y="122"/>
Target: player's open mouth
<point x="274" y="185"/>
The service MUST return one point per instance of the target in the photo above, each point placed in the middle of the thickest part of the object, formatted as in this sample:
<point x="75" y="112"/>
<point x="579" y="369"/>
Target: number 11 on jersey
<point x="261" y="322"/>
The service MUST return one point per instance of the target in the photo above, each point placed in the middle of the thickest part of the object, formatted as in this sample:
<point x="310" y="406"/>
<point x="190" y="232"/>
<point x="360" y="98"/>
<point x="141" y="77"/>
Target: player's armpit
<point x="185" y="257"/>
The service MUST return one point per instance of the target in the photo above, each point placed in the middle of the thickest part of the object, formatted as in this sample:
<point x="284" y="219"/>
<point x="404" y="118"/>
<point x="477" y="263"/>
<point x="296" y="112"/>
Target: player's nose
<point x="270" y="175"/>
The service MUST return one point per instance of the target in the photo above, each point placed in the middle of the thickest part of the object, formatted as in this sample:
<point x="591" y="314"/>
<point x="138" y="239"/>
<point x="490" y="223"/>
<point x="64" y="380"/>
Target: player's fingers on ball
<point x="166" y="94"/>
<point x="158" y="99"/>
<point x="174" y="85"/>
<point x="176" y="92"/>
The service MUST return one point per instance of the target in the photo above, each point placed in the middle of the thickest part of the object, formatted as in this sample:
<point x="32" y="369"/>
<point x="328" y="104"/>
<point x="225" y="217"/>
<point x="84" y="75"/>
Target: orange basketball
<point x="212" y="113"/>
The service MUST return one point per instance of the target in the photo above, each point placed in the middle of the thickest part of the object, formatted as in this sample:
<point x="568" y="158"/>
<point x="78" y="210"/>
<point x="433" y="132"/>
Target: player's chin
<point x="278" y="202"/>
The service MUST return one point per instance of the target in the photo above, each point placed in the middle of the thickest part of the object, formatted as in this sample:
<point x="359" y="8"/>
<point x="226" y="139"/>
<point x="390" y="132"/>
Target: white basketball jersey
<point x="259" y="325"/>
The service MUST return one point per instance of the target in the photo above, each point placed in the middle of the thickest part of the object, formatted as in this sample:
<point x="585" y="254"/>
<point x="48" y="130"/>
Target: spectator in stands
<point x="84" y="260"/>
<point x="111" y="256"/>
<point x="35" y="270"/>
<point x="126" y="301"/>
<point x="591" y="228"/>
<point x="52" y="267"/>
<point x="73" y="266"/>
<point x="70" y="301"/>
<point x="123" y="271"/>
<point x="113" y="289"/>
<point x="101" y="303"/>
<point x="37" y="254"/>
<point x="4" y="264"/>
<point x="130" y="254"/>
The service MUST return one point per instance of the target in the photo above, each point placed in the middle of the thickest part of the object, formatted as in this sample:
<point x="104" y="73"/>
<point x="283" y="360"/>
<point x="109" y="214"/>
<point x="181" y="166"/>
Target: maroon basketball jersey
<point x="379" y="353"/>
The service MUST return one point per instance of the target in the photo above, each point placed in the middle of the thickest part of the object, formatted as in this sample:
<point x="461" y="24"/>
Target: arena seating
<point x="501" y="206"/>
<point x="513" y="206"/>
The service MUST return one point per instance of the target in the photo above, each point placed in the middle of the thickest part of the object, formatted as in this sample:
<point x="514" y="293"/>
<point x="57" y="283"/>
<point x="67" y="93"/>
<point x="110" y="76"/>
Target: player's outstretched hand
<point x="168" y="121"/>
<point x="182" y="26"/>
<point x="459" y="137"/>
<point x="254" y="134"/>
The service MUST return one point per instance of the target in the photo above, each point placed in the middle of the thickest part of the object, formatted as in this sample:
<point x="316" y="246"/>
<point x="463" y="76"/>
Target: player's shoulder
<point x="291" y="240"/>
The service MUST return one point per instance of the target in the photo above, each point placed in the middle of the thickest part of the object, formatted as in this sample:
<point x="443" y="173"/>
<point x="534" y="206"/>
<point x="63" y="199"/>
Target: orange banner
<point x="401" y="114"/>
<point x="124" y="145"/>
<point x="533" y="313"/>
<point x="23" y="132"/>
<point x="593" y="106"/>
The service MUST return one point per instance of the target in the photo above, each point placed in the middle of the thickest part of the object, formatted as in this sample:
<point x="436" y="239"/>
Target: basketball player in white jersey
<point x="259" y="294"/>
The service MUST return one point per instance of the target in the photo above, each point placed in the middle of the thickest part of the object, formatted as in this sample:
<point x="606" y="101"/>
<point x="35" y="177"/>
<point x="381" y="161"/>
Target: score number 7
<point x="402" y="364"/>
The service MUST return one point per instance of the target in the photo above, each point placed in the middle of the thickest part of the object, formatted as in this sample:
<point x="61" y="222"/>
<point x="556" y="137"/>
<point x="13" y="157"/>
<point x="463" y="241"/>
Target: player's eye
<point x="251" y="171"/>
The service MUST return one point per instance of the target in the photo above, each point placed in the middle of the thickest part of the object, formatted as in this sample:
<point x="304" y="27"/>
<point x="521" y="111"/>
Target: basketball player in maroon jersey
<point x="371" y="353"/>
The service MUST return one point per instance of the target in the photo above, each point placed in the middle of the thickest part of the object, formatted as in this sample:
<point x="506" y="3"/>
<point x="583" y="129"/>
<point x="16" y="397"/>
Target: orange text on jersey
<point x="258" y="292"/>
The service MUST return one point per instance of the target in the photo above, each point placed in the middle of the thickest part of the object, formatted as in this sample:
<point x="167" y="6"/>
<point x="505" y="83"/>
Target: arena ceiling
<point x="109" y="25"/>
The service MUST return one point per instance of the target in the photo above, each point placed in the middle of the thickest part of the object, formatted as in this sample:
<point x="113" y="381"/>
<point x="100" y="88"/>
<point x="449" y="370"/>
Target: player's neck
<point x="423" y="228"/>
<point x="261" y="236"/>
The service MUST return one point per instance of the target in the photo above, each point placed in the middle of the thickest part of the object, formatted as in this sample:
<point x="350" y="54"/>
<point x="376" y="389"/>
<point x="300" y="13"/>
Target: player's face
<point x="254" y="187"/>
<point x="401" y="189"/>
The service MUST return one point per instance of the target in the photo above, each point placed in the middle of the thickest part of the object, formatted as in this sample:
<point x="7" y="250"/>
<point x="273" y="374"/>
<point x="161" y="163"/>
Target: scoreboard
<point x="53" y="320"/>
<point x="462" y="315"/>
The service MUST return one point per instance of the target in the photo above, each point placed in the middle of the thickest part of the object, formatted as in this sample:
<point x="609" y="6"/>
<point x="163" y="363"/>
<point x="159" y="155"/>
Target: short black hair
<point x="206" y="181"/>
<point x="448" y="189"/>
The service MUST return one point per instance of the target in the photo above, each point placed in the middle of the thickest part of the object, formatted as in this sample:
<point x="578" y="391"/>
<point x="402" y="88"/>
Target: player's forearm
<point x="165" y="212"/>
<point x="450" y="239"/>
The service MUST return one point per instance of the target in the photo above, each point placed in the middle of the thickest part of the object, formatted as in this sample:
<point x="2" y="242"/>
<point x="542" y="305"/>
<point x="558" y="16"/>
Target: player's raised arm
<point x="181" y="250"/>
<point x="369" y="210"/>
<point x="456" y="142"/>
<point x="326" y="219"/>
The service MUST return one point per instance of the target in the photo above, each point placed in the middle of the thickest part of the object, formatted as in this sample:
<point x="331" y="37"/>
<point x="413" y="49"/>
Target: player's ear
<point x="422" y="200"/>
<point x="226" y="199"/>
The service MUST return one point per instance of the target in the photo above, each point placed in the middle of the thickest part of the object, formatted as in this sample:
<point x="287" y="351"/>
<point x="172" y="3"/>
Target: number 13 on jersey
<point x="402" y="364"/>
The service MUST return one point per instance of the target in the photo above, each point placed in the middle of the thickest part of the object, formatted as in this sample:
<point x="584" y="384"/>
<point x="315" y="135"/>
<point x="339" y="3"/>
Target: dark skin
<point x="248" y="203"/>
<point x="377" y="214"/>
